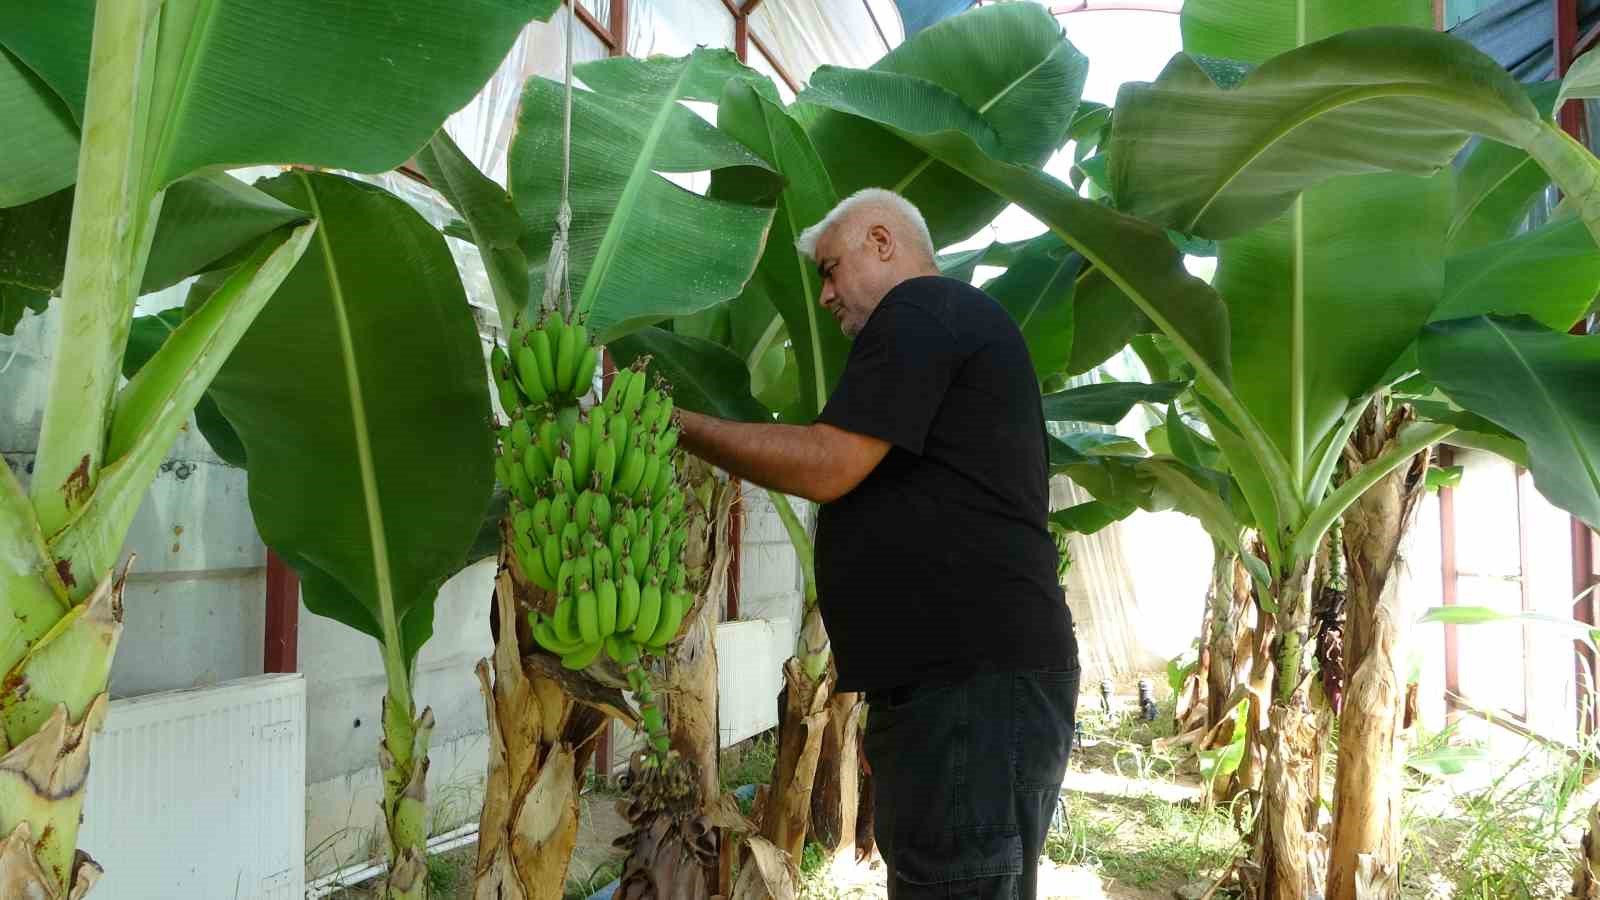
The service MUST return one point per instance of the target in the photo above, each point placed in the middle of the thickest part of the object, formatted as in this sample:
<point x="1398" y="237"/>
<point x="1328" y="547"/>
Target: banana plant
<point x="131" y="106"/>
<point x="1301" y="153"/>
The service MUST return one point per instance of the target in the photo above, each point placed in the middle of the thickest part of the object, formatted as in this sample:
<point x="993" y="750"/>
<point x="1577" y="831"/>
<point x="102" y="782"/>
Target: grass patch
<point x="751" y="762"/>
<point x="1143" y="842"/>
<point x="579" y="887"/>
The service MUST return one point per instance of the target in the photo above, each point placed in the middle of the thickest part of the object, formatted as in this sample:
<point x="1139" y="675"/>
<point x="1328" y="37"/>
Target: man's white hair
<point x="913" y="228"/>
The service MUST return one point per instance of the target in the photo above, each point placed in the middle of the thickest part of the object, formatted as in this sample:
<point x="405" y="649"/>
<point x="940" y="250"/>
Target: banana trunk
<point x="52" y="702"/>
<point x="403" y="760"/>
<point x="1364" y="857"/>
<point x="836" y="789"/>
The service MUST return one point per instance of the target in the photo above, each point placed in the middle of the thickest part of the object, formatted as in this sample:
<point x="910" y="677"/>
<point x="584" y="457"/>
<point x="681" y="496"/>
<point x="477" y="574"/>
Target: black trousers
<point x="966" y="776"/>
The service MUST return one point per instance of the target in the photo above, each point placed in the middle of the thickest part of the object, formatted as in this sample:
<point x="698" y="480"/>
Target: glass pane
<point x="675" y="27"/>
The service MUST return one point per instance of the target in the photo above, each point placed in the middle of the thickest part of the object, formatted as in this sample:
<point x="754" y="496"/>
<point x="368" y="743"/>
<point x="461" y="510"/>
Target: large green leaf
<point x="1104" y="321"/>
<point x="1496" y="186"/>
<point x="1107" y="403"/>
<point x="490" y="216"/>
<point x="963" y="264"/>
<point x="1485" y="615"/>
<point x="1037" y="290"/>
<point x="783" y="276"/>
<point x="355" y="86"/>
<point x="1009" y="63"/>
<point x="1551" y="273"/>
<point x="1091" y="516"/>
<point x="1253" y="31"/>
<point x="706" y="378"/>
<point x="1539" y="384"/>
<point x="642" y="248"/>
<point x="1582" y="81"/>
<point x="361" y="396"/>
<point x="40" y="141"/>
<point x="1214" y="162"/>
<point x="1325" y="298"/>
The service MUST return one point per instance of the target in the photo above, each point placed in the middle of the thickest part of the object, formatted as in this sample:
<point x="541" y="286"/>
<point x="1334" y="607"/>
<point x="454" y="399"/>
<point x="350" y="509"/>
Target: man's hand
<point x="818" y="462"/>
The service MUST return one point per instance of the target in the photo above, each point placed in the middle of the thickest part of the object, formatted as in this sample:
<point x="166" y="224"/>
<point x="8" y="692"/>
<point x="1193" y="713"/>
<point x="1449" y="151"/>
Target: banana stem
<point x="813" y="650"/>
<point x="657" y="738"/>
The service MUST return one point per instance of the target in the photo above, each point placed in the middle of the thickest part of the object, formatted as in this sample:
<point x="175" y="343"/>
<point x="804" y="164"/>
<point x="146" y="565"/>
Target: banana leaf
<point x="359" y="89"/>
<point x="1551" y="273"/>
<point x="40" y="140"/>
<point x="642" y="249"/>
<point x="361" y="397"/>
<point x="489" y="216"/>
<point x="1037" y="291"/>
<point x="784" y="278"/>
<point x="1582" y="81"/>
<point x="1217" y="162"/>
<point x="1106" y="403"/>
<point x="1091" y="516"/>
<point x="1008" y="63"/>
<point x="1537" y="383"/>
<point x="203" y="221"/>
<point x="1496" y="186"/>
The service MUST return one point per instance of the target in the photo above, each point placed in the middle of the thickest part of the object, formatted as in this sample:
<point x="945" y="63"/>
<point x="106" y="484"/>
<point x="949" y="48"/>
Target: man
<point x="936" y="573"/>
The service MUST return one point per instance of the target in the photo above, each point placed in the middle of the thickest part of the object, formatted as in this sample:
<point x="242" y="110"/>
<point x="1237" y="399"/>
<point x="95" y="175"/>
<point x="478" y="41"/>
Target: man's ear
<point x="883" y="239"/>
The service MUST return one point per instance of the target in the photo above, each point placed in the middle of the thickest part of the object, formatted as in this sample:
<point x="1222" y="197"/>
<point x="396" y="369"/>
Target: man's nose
<point x="826" y="295"/>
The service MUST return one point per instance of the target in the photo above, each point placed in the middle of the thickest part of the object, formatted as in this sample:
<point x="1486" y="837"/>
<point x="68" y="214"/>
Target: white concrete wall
<point x="770" y="582"/>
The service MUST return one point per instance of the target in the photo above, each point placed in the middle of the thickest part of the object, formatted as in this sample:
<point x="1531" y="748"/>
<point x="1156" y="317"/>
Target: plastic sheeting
<point x="1519" y="34"/>
<point x="804" y="34"/>
<point x="676" y="27"/>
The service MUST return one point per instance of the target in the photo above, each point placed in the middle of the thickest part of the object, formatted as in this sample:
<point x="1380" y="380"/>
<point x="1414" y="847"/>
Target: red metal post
<point x="1571" y="114"/>
<point x="281" y="647"/>
<point x="619" y="27"/>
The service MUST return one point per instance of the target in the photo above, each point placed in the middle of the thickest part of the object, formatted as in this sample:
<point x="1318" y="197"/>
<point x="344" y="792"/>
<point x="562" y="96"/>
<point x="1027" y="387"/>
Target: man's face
<point x="854" y="278"/>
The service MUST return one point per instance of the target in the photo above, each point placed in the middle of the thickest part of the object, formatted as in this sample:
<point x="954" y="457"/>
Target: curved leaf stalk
<point x="1293" y="599"/>
<point x="1573" y="169"/>
<point x="814" y="650"/>
<point x="1412" y="439"/>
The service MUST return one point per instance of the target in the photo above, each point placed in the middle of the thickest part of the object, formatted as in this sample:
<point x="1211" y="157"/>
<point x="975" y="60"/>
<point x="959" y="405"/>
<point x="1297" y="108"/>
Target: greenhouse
<point x="625" y="449"/>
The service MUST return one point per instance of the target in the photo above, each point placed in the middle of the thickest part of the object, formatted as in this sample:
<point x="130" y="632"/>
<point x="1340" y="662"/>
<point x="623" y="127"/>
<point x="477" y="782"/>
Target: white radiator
<point x="201" y="793"/>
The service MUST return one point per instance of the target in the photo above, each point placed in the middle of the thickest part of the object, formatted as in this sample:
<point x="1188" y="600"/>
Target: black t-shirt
<point x="940" y="563"/>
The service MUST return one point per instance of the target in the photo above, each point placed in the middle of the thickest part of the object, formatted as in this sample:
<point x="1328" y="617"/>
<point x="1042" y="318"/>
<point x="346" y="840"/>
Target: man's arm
<point x="818" y="462"/>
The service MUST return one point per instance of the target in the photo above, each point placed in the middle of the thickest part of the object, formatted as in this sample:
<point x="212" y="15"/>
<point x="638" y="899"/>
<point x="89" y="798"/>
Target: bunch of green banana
<point x="599" y="520"/>
<point x="549" y="364"/>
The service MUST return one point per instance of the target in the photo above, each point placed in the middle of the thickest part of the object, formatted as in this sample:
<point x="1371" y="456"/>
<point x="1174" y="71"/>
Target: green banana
<point x="528" y="371"/>
<point x="677" y="540"/>
<point x="644" y="625"/>
<point x="677" y="576"/>
<point x="663" y="415"/>
<point x="647" y="410"/>
<point x="567" y="421"/>
<point x="582" y="457"/>
<point x="535" y="467"/>
<point x="564" y="578"/>
<point x="588" y="615"/>
<point x="664" y="477"/>
<point x="660" y="524"/>
<point x="639" y="552"/>
<point x="567" y="360"/>
<point x="584" y="510"/>
<point x="602" y="513"/>
<point x="521" y="519"/>
<point x="619" y="430"/>
<point x="502" y="473"/>
<point x="521" y="487"/>
<point x="545" y="633"/>
<point x="570" y="540"/>
<point x="634" y="396"/>
<point x="550" y="440"/>
<point x="544" y="356"/>
<point x="675" y="604"/>
<point x="605" y="465"/>
<point x="662" y="558"/>
<point x="617" y="541"/>
<point x="653" y="721"/>
<point x="560" y="513"/>
<point x="632" y="470"/>
<point x="667" y="441"/>
<point x="550" y="549"/>
<point x="500" y="368"/>
<point x="588" y="357"/>
<point x="604" y="567"/>
<point x="627" y="602"/>
<point x="605" y="595"/>
<point x="563" y="475"/>
<point x="533" y="566"/>
<point x="539" y="519"/>
<point x="647" y="479"/>
<point x="581" y="659"/>
<point x="619" y="385"/>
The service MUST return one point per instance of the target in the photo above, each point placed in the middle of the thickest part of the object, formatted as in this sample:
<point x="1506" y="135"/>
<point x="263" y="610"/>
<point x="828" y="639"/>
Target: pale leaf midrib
<point x="382" y="576"/>
<point x="806" y="300"/>
<point x="630" y="192"/>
